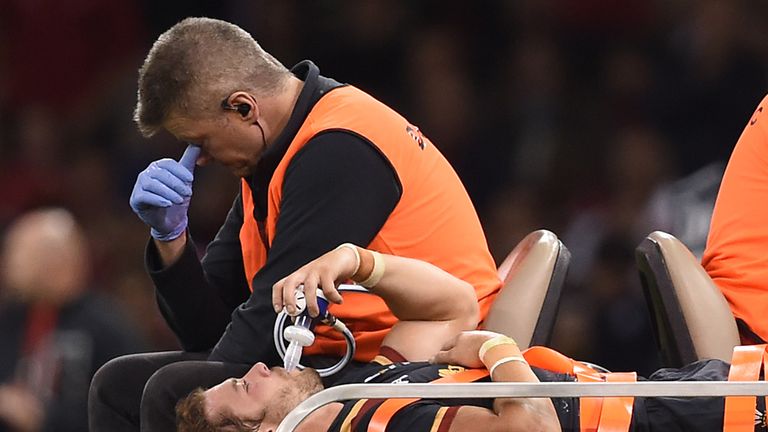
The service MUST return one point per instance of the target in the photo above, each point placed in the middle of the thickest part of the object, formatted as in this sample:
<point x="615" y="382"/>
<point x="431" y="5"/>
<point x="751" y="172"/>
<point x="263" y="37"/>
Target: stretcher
<point x="691" y="321"/>
<point x="494" y="390"/>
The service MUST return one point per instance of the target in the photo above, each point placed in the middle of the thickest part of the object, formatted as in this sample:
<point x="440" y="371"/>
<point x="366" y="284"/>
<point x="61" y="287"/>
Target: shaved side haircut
<point x="196" y="64"/>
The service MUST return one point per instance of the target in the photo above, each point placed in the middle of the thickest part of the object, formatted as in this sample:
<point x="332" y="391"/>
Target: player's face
<point x="261" y="393"/>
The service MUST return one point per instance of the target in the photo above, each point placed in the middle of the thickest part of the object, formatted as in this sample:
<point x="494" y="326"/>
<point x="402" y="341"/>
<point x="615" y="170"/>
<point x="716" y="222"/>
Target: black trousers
<point x="140" y="391"/>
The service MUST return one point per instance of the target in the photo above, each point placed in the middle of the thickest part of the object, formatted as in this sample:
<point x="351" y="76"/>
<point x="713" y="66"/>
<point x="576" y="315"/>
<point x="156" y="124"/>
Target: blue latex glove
<point x="162" y="193"/>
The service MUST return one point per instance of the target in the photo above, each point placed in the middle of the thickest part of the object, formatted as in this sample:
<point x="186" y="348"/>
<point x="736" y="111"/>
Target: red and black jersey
<point x="427" y="415"/>
<point x="436" y="415"/>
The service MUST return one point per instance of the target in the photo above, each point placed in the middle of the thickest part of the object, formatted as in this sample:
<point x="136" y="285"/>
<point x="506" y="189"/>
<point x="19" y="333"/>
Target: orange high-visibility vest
<point x="434" y="220"/>
<point x="735" y="257"/>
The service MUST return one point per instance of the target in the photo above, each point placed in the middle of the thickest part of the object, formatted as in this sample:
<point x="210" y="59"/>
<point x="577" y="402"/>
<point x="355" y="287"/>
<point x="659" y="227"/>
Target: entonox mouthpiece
<point x="299" y="336"/>
<point x="292" y="356"/>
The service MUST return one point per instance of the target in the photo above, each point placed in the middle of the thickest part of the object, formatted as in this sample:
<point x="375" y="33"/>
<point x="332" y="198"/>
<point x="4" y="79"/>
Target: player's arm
<point x="432" y="305"/>
<point x="503" y="358"/>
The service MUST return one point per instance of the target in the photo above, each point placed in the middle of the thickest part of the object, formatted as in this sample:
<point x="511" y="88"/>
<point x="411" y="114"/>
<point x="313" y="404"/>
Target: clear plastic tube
<point x="299" y="336"/>
<point x="292" y="356"/>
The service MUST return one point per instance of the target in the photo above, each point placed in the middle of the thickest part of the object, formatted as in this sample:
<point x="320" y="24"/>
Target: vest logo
<point x="415" y="133"/>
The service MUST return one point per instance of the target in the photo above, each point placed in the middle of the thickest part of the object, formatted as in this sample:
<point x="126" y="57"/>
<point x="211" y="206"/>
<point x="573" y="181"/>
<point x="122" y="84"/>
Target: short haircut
<point x="190" y="417"/>
<point x="197" y="63"/>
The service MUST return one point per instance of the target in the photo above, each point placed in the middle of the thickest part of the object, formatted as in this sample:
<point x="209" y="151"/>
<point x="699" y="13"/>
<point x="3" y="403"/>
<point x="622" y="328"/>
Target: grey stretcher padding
<point x="533" y="275"/>
<point x="690" y="316"/>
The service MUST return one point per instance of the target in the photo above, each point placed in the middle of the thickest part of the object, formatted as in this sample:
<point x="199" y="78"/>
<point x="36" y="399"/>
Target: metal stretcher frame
<point x="546" y="389"/>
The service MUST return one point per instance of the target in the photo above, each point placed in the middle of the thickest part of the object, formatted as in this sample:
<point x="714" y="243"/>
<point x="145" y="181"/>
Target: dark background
<point x="598" y="120"/>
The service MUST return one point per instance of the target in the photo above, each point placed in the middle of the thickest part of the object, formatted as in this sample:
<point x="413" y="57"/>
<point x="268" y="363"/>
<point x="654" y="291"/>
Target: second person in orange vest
<point x="321" y="162"/>
<point x="735" y="257"/>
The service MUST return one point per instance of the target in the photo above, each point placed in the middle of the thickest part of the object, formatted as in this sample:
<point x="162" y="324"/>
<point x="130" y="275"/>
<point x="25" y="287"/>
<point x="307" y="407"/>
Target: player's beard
<point x="301" y="387"/>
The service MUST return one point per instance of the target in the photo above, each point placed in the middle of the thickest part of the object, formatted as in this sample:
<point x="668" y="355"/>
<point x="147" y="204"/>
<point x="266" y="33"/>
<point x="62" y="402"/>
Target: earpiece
<point x="243" y="109"/>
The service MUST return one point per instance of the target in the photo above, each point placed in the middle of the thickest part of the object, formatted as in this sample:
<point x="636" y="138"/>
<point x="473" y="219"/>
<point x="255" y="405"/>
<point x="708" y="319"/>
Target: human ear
<point x="245" y="104"/>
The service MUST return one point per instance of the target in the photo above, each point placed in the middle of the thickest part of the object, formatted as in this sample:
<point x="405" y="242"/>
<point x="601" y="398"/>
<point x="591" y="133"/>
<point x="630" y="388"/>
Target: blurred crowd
<point x="600" y="121"/>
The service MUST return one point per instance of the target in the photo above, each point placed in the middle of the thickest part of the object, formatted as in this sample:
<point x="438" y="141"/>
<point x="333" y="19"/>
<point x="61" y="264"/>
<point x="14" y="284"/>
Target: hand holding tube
<point x="299" y="334"/>
<point x="323" y="273"/>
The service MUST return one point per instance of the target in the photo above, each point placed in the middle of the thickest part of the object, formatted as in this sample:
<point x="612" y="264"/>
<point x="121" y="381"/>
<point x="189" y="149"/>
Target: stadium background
<point x="600" y="121"/>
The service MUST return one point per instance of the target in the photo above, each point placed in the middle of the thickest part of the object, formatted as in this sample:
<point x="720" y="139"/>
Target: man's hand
<point x="335" y="266"/>
<point x="463" y="349"/>
<point x="162" y="193"/>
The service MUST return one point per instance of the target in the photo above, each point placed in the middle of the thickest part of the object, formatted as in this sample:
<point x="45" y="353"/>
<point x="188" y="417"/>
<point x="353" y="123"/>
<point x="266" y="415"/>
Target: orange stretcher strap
<point x="616" y="415"/>
<point x="390" y="407"/>
<point x="596" y="414"/>
<point x="549" y="359"/>
<point x="745" y="366"/>
<point x="553" y="361"/>
<point x="590" y="408"/>
<point x="608" y="414"/>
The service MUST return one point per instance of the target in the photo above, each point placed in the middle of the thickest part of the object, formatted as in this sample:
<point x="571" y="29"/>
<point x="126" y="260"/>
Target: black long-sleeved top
<point x="338" y="188"/>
